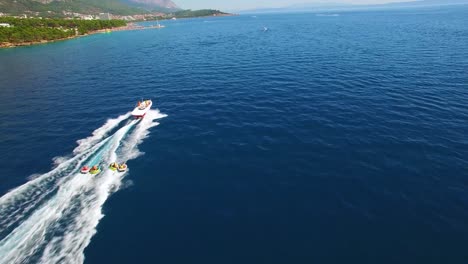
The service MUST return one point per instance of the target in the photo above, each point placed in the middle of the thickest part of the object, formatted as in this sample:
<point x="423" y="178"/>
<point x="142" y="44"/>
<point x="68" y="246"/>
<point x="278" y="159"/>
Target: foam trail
<point x="29" y="194"/>
<point x="60" y="229"/>
<point x="98" y="134"/>
<point x="28" y="237"/>
<point x="69" y="247"/>
<point x="18" y="203"/>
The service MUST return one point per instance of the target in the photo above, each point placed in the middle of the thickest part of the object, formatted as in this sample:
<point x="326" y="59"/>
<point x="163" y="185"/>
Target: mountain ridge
<point x="326" y="6"/>
<point x="117" y="7"/>
<point x="155" y="3"/>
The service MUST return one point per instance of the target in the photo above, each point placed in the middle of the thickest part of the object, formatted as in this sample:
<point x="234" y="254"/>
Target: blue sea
<point x="328" y="138"/>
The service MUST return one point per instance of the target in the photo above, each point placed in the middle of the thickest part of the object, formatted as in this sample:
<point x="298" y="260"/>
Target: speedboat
<point x="113" y="166"/>
<point x="141" y="108"/>
<point x="85" y="169"/>
<point x="95" y="170"/>
<point x="122" y="167"/>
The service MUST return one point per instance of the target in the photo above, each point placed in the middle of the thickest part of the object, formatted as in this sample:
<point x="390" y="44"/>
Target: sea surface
<point x="328" y="138"/>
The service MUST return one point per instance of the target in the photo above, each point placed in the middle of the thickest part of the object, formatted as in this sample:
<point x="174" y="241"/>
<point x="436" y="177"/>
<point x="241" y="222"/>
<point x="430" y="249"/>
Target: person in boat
<point x="94" y="167"/>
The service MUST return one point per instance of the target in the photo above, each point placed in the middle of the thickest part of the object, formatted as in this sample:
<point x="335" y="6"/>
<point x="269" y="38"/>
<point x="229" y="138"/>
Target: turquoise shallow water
<point x="325" y="139"/>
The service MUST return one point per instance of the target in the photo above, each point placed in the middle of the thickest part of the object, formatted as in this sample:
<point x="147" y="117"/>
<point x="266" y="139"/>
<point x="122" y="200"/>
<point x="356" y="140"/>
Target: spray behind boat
<point x="139" y="112"/>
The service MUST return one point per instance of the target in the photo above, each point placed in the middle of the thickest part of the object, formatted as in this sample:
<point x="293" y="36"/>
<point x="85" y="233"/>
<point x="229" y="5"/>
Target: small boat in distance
<point x="85" y="169"/>
<point x="141" y="108"/>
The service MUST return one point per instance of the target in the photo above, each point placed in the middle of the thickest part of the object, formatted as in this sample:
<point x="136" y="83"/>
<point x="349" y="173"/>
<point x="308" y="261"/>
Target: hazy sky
<point x="248" y="4"/>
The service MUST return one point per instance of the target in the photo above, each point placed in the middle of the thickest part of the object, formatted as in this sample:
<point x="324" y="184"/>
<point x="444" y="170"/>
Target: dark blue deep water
<point x="326" y="139"/>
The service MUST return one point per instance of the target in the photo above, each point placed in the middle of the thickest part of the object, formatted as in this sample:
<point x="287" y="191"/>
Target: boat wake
<point x="52" y="218"/>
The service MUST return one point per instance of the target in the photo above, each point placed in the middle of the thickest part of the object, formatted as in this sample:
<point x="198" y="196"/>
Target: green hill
<point x="56" y="7"/>
<point x="198" y="13"/>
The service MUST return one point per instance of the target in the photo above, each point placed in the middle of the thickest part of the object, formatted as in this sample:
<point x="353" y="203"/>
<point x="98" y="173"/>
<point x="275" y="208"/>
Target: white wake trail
<point x="61" y="228"/>
<point x="29" y="236"/>
<point x="20" y="201"/>
<point x="69" y="248"/>
<point x="99" y="134"/>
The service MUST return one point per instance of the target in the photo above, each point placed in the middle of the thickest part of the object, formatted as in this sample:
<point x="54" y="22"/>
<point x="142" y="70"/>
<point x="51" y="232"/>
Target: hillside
<point x="55" y="7"/>
<point x="154" y="4"/>
<point x="27" y="31"/>
<point x="198" y="13"/>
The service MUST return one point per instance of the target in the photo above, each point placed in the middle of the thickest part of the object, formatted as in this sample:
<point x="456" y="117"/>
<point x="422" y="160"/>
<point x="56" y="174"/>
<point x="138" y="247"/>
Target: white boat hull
<point x="139" y="113"/>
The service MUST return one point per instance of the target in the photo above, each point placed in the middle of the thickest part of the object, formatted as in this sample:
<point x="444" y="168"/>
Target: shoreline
<point x="130" y="26"/>
<point x="220" y="15"/>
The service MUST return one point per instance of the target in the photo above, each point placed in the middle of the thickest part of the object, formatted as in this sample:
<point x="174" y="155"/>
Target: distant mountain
<point x="324" y="6"/>
<point x="156" y="3"/>
<point x="159" y="5"/>
<point x="118" y="7"/>
<point x="318" y="5"/>
<point x="428" y="2"/>
<point x="299" y="8"/>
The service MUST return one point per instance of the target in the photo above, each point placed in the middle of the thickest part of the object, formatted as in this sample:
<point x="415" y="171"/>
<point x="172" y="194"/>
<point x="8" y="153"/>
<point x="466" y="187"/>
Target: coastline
<point x="130" y="26"/>
<point x="219" y="15"/>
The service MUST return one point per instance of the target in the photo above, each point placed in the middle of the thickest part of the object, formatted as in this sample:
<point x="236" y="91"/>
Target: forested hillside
<point x="36" y="29"/>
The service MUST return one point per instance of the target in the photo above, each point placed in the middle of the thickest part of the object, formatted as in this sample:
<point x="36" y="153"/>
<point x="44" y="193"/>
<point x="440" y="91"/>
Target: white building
<point x="105" y="16"/>
<point x="5" y="25"/>
<point x="87" y="17"/>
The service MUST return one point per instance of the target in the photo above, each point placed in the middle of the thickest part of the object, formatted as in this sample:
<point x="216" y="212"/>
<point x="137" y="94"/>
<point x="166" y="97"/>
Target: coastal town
<point x="109" y="16"/>
<point x="100" y="16"/>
